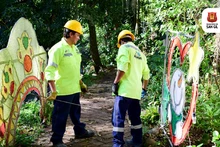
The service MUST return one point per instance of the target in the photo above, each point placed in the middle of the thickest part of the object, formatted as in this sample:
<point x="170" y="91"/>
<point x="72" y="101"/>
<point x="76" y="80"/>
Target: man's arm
<point x="144" y="84"/>
<point x="52" y="85"/>
<point x="115" y="85"/>
<point x="53" y="93"/>
<point x="119" y="75"/>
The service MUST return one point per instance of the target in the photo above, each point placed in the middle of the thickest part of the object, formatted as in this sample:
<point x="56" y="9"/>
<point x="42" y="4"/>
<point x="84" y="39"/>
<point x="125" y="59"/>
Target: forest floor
<point x="97" y="106"/>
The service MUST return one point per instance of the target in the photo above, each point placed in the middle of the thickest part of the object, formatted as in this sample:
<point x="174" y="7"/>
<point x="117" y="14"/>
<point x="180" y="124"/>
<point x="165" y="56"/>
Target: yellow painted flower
<point x="196" y="55"/>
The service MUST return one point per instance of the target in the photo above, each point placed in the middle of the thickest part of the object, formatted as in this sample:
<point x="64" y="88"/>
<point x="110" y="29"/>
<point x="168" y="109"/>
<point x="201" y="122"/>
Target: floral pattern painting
<point x="22" y="64"/>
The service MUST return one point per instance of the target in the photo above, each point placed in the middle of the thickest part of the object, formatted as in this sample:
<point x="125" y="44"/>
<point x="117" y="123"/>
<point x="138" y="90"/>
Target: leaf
<point x="215" y="134"/>
<point x="200" y="145"/>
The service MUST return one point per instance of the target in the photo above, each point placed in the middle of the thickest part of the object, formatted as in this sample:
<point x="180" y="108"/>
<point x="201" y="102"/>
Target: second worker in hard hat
<point x="63" y="76"/>
<point x="129" y="86"/>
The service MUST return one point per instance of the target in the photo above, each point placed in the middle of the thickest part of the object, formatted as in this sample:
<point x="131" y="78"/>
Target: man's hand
<point x="52" y="96"/>
<point x="115" y="87"/>
<point x="143" y="93"/>
<point x="83" y="87"/>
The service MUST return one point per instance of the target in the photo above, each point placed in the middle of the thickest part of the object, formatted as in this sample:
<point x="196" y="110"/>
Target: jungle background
<point x="149" y="20"/>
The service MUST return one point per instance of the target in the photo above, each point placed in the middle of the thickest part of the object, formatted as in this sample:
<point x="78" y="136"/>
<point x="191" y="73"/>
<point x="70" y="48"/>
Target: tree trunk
<point x="93" y="47"/>
<point x="137" y="26"/>
<point x="133" y="6"/>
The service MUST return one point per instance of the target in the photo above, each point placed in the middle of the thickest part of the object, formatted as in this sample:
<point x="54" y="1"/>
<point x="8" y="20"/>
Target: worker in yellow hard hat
<point x="129" y="87"/>
<point x="63" y="76"/>
<point x="125" y="34"/>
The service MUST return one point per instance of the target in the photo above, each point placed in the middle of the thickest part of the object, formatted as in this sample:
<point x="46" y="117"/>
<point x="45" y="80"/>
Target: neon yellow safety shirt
<point x="133" y="62"/>
<point x="64" y="67"/>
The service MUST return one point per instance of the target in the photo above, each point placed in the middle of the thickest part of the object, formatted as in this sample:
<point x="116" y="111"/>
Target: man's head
<point x="124" y="37"/>
<point x="72" y="31"/>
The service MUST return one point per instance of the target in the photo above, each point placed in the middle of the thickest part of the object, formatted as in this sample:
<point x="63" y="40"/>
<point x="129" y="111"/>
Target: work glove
<point x="52" y="96"/>
<point x="115" y="87"/>
<point x="83" y="87"/>
<point x="143" y="93"/>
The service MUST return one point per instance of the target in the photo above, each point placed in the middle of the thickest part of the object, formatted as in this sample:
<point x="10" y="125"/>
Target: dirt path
<point x="96" y="113"/>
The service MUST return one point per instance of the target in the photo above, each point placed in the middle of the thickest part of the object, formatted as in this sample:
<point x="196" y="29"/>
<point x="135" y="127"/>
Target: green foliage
<point x="182" y="17"/>
<point x="29" y="124"/>
<point x="195" y="145"/>
<point x="48" y="108"/>
<point x="89" y="79"/>
<point x="107" y="49"/>
<point x="216" y="138"/>
<point x="47" y="17"/>
<point x="29" y="113"/>
<point x="208" y="113"/>
<point x="150" y="116"/>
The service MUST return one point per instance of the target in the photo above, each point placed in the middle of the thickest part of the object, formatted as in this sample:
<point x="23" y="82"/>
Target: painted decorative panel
<point x="22" y="65"/>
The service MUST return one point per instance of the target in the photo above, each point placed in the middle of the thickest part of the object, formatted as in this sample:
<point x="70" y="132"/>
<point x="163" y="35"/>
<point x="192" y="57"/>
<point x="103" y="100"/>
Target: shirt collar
<point x="66" y="44"/>
<point x="64" y="41"/>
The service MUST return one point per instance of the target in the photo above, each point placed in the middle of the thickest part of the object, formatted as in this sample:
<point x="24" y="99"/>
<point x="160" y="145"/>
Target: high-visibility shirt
<point x="133" y="62"/>
<point x="64" y="67"/>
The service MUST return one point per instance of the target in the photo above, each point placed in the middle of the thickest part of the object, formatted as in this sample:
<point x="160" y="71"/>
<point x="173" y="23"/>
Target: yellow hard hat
<point x="123" y="34"/>
<point x="74" y="25"/>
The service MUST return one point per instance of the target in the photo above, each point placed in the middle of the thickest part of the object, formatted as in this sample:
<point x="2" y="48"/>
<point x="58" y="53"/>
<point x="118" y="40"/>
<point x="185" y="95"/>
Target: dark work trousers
<point x="121" y="106"/>
<point x="60" y="115"/>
